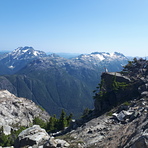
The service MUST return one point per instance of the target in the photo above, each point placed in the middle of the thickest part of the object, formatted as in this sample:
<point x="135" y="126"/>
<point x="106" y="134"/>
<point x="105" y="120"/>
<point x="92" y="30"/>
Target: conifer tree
<point x="69" y="118"/>
<point x="62" y="120"/>
<point x="52" y="124"/>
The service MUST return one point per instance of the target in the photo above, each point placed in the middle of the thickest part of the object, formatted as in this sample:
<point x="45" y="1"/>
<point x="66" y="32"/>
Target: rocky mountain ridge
<point x="14" y="61"/>
<point x="100" y="56"/>
<point x="16" y="112"/>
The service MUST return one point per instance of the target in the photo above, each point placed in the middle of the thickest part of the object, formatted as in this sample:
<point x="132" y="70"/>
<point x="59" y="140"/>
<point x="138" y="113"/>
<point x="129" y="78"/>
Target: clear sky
<point x="75" y="26"/>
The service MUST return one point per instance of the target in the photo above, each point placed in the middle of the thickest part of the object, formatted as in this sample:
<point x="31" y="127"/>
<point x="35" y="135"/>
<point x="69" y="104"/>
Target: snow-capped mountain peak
<point x="18" y="58"/>
<point x="102" y="59"/>
<point x="101" y="56"/>
<point x="25" y="53"/>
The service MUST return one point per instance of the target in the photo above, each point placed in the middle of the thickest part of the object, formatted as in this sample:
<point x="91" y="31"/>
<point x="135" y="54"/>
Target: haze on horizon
<point x="76" y="26"/>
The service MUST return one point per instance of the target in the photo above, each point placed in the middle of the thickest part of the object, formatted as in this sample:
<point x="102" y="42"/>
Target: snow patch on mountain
<point x="11" y="67"/>
<point x="35" y="53"/>
<point x="25" y="50"/>
<point x="101" y="56"/>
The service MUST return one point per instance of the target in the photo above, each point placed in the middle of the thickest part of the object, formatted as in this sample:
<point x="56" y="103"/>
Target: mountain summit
<point x="101" y="56"/>
<point x="14" y="61"/>
<point x="26" y="53"/>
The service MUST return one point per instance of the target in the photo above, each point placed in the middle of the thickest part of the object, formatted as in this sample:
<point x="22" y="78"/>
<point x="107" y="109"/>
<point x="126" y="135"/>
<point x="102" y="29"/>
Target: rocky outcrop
<point x="139" y="141"/>
<point x="115" y="89"/>
<point x="35" y="137"/>
<point x="16" y="112"/>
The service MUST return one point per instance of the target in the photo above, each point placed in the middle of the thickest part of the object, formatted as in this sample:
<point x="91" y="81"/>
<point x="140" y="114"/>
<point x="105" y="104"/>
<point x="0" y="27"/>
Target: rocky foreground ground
<point x="123" y="127"/>
<point x="16" y="112"/>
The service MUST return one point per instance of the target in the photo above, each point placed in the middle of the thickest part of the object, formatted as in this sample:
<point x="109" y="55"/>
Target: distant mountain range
<point x="65" y="55"/>
<point x="55" y="82"/>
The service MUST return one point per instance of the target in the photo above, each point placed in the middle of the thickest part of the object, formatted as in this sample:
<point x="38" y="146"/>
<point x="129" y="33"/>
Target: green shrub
<point x="118" y="85"/>
<point x="8" y="140"/>
<point x="41" y="108"/>
<point x="86" y="112"/>
<point x="54" y="124"/>
<point x="109" y="113"/>
<point x="126" y="103"/>
<point x="5" y="140"/>
<point x="40" y="122"/>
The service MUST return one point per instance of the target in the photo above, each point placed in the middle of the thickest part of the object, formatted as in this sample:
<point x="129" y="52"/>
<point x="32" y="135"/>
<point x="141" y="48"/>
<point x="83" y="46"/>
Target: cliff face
<point x="116" y="88"/>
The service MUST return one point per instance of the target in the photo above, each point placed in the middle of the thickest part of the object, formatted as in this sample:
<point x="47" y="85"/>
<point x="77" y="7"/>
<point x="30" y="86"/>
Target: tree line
<point x="54" y="124"/>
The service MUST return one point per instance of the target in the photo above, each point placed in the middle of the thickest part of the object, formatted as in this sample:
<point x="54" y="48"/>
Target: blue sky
<point x="75" y="26"/>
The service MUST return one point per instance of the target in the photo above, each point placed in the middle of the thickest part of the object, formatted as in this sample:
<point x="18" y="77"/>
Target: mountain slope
<point x="56" y="83"/>
<point x="53" y="87"/>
